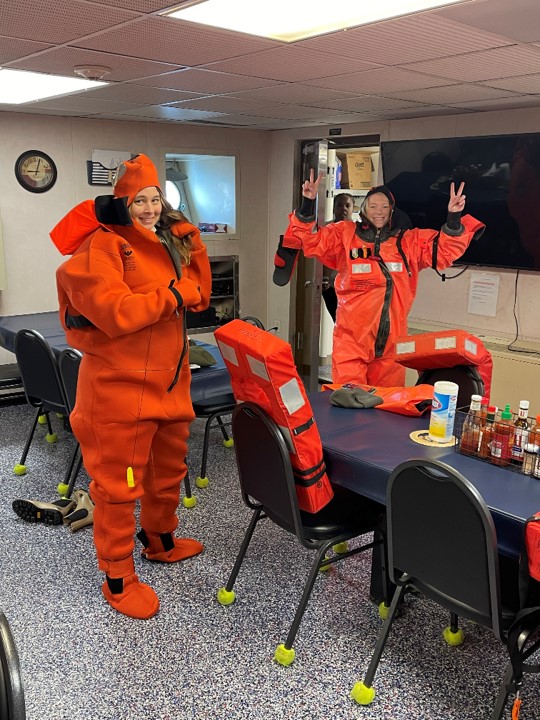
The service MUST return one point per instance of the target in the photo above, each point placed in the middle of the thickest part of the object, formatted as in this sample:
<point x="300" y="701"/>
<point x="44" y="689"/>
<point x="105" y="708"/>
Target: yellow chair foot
<point x="19" y="469"/>
<point x="340" y="548"/>
<point x="284" y="656"/>
<point x="201" y="482"/>
<point x="225" y="597"/>
<point x="42" y="419"/>
<point x="189" y="502"/>
<point x="362" y="694"/>
<point x="453" y="638"/>
<point x="51" y="437"/>
<point x="228" y="443"/>
<point x="324" y="568"/>
<point x="383" y="610"/>
<point x="62" y="489"/>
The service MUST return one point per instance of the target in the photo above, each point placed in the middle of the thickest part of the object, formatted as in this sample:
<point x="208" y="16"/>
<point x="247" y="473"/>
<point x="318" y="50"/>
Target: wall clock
<point x="35" y="171"/>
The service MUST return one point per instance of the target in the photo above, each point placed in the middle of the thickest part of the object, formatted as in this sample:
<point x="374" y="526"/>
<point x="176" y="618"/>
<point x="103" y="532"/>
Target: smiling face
<point x="378" y="209"/>
<point x="146" y="207"/>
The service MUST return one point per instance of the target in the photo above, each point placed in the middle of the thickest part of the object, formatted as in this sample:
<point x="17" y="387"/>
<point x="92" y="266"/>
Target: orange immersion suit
<point x="375" y="286"/>
<point x="120" y="305"/>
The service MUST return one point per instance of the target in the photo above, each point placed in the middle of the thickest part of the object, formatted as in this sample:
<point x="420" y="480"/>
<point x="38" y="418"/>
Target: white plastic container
<point x="443" y="411"/>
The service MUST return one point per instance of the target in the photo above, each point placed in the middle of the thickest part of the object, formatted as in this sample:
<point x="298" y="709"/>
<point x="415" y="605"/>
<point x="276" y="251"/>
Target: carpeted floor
<point x="81" y="660"/>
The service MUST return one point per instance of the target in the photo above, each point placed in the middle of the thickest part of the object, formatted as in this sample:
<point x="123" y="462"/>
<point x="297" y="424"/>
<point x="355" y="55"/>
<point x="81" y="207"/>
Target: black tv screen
<point x="502" y="185"/>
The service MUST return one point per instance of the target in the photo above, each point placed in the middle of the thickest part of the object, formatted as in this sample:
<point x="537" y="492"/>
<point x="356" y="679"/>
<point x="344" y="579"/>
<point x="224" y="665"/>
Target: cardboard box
<point x="356" y="170"/>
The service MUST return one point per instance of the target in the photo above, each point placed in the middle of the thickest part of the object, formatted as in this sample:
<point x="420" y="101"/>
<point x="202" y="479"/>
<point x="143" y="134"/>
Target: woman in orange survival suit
<point x="123" y="296"/>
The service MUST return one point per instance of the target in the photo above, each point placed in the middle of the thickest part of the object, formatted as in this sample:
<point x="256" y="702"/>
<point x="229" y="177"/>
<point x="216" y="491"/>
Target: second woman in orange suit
<point x="123" y="300"/>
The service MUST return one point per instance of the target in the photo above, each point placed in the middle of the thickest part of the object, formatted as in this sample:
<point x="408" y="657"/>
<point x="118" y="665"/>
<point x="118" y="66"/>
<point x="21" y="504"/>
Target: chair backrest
<point x="12" y="705"/>
<point x="441" y="534"/>
<point x="264" y="465"/>
<point x="69" y="362"/>
<point x="39" y="372"/>
<point x="252" y="320"/>
<point x="466" y="377"/>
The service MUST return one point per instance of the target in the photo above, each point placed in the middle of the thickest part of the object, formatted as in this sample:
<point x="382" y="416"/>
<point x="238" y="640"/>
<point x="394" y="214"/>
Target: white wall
<point x="30" y="256"/>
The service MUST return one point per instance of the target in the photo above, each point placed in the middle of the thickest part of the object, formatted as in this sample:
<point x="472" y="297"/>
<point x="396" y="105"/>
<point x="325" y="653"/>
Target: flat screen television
<point x="502" y="185"/>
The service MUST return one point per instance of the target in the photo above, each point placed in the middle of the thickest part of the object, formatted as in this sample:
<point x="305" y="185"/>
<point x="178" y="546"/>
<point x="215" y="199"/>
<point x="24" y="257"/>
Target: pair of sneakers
<point x="76" y="512"/>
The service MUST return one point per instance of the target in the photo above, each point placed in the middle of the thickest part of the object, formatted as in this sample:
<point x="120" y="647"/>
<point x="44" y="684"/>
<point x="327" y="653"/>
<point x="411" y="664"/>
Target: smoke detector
<point x="92" y="72"/>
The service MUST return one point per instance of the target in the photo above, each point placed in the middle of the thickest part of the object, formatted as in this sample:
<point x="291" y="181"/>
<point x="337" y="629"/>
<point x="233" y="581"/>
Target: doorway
<point x="312" y="325"/>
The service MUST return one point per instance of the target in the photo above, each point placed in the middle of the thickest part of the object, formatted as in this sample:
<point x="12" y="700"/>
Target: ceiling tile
<point x="518" y="19"/>
<point x="13" y="48"/>
<point x="451" y="94"/>
<point x="56" y="21"/>
<point x="379" y="81"/>
<point x="122" y="68"/>
<point x="403" y="40"/>
<point x="485" y="65"/>
<point x="205" y="82"/>
<point x="173" y="41"/>
<point x="291" y="62"/>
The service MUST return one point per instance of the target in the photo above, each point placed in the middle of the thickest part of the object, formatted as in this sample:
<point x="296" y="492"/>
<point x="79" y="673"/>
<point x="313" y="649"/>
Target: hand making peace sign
<point x="311" y="186"/>
<point x="457" y="199"/>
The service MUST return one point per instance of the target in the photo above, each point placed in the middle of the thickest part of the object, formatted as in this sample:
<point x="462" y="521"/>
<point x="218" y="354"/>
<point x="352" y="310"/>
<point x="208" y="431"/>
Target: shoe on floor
<point x="167" y="548"/>
<point x="82" y="513"/>
<point x="131" y="597"/>
<point x="48" y="513"/>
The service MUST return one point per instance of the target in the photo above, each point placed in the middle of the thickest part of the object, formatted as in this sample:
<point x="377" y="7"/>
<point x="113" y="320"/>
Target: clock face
<point x="35" y="171"/>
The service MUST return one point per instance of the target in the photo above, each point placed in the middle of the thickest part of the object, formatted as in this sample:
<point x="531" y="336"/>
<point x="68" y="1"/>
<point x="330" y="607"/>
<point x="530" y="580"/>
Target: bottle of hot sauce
<point x="487" y="432"/>
<point x="502" y="438"/>
<point x="470" y="435"/>
<point x="521" y="432"/>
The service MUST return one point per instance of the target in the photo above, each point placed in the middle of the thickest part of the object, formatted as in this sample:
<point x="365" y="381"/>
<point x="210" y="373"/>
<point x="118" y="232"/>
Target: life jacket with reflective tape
<point x="445" y="349"/>
<point x="262" y="370"/>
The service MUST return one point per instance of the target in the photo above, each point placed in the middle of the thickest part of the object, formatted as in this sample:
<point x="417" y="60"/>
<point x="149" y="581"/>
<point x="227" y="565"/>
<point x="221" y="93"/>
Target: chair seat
<point x="347" y="513"/>
<point x="217" y="403"/>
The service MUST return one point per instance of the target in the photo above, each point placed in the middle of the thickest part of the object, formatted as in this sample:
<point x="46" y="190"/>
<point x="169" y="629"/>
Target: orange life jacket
<point x="445" y="349"/>
<point x="262" y="370"/>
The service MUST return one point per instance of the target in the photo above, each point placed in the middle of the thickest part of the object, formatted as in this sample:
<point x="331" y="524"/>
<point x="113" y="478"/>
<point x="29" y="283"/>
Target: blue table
<point x="206" y="382"/>
<point x="362" y="447"/>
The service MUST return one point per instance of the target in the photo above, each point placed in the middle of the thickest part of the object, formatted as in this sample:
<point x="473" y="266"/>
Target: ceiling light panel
<point x="288" y="21"/>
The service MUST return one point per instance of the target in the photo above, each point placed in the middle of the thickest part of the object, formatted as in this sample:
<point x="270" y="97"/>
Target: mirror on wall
<point x="203" y="187"/>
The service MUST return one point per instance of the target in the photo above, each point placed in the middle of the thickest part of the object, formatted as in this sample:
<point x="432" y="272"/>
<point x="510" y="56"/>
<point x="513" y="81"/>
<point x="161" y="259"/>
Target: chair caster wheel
<point x="362" y="694"/>
<point x="453" y="638"/>
<point x="19" y="469"/>
<point x="228" y="443"/>
<point x="225" y="597"/>
<point x="201" y="482"/>
<point x="189" y="502"/>
<point x="284" y="656"/>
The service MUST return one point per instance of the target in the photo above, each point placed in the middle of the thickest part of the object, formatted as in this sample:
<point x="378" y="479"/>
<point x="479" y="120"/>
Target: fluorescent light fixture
<point x="291" y="20"/>
<point x="20" y="86"/>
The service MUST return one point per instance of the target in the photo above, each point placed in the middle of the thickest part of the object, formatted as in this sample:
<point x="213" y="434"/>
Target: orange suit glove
<point x="186" y="292"/>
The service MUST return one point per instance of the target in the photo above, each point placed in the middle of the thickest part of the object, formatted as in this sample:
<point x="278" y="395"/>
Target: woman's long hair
<point x="169" y="216"/>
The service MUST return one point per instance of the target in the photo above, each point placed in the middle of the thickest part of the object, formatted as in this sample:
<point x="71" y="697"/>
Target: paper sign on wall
<point x="483" y="294"/>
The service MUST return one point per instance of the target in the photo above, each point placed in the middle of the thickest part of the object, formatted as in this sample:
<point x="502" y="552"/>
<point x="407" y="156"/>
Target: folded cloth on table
<point x="355" y="397"/>
<point x="199" y="356"/>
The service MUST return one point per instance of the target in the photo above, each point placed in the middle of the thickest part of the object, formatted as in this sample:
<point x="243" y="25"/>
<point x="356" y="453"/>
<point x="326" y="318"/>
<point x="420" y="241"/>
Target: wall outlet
<point x="275" y="326"/>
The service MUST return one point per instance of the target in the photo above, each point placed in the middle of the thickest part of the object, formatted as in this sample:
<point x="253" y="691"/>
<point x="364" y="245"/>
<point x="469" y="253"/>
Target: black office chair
<point x="268" y="489"/>
<point x="12" y="705"/>
<point x="212" y="409"/>
<point x="42" y="386"/>
<point x="441" y="536"/>
<point x="466" y="377"/>
<point x="69" y="362"/>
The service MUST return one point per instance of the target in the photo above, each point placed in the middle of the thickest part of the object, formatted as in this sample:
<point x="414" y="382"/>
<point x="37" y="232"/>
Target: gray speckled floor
<point x="83" y="661"/>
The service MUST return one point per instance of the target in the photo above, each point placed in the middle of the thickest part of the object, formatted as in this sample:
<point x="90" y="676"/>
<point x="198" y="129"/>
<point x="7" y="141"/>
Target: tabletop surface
<point x="362" y="447"/>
